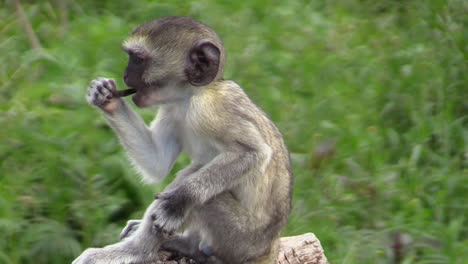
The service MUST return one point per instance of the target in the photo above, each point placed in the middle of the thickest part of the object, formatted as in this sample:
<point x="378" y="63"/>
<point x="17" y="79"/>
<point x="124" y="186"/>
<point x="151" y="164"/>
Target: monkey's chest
<point x="199" y="148"/>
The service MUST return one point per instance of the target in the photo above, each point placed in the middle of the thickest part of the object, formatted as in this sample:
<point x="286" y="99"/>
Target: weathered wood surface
<point x="302" y="249"/>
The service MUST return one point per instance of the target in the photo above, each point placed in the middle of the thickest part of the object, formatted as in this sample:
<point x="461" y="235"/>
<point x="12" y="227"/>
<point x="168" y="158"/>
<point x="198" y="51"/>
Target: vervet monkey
<point x="232" y="202"/>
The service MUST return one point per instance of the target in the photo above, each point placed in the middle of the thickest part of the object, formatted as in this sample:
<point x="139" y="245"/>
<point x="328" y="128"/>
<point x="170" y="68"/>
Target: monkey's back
<point x="266" y="192"/>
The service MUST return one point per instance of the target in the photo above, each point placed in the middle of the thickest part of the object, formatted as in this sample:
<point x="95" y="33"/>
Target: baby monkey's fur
<point x="232" y="202"/>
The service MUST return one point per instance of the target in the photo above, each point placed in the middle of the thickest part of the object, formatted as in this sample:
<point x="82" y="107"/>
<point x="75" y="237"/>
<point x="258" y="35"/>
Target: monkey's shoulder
<point x="222" y="106"/>
<point x="216" y="98"/>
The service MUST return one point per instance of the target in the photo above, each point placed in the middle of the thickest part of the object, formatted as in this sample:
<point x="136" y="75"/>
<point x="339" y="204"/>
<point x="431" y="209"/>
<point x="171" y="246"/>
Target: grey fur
<point x="234" y="199"/>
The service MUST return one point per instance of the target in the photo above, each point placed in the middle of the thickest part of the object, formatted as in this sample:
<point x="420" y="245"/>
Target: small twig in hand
<point x="123" y="93"/>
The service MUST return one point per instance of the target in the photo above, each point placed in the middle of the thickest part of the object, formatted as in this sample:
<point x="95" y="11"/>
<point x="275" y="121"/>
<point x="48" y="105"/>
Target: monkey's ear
<point x="203" y="63"/>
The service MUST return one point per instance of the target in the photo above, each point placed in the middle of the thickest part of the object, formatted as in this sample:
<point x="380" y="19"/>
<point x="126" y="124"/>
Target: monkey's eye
<point x="135" y="59"/>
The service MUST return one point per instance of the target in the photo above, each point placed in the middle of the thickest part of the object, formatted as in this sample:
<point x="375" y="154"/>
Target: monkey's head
<point x="169" y="57"/>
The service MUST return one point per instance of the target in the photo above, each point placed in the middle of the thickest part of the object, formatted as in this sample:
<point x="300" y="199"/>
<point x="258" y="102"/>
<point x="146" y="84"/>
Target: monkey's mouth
<point x="142" y="98"/>
<point x="135" y="87"/>
<point x="150" y="95"/>
<point x="137" y="98"/>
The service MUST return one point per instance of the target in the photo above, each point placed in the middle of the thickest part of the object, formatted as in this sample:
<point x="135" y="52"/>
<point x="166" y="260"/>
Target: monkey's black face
<point x="133" y="75"/>
<point x="153" y="81"/>
<point x="162" y="72"/>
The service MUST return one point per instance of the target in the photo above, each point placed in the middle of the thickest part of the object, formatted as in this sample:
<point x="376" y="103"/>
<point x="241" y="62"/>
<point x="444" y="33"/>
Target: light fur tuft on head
<point x="137" y="43"/>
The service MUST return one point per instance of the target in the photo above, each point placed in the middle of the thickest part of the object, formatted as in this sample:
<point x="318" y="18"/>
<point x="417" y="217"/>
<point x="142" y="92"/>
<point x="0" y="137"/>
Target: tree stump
<point x="302" y="249"/>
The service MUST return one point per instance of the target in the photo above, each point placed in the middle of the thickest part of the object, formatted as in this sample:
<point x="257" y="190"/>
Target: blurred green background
<point x="371" y="96"/>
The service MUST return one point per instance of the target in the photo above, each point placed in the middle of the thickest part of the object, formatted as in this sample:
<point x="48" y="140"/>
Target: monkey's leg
<point x="132" y="225"/>
<point x="233" y="235"/>
<point x="142" y="246"/>
<point x="186" y="245"/>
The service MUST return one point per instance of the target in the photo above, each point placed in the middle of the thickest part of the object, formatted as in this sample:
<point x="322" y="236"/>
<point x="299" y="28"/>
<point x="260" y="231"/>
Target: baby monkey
<point x="233" y="200"/>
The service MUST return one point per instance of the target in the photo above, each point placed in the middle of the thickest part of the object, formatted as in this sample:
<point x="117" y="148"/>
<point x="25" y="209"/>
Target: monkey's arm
<point x="241" y="157"/>
<point x="154" y="150"/>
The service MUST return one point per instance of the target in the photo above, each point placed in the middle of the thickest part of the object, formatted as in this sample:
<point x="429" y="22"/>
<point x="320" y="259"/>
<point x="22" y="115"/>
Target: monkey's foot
<point x="110" y="255"/>
<point x="132" y="226"/>
<point x="91" y="256"/>
<point x="185" y="247"/>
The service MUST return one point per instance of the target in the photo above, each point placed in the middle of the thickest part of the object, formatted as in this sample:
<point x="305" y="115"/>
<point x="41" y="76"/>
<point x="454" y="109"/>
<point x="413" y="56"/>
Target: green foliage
<point x="371" y="97"/>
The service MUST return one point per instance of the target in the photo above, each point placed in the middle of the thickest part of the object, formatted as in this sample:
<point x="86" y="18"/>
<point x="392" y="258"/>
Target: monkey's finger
<point x="101" y="79"/>
<point x="104" y="92"/>
<point x="96" y="82"/>
<point x="160" y="196"/>
<point x="113" y="85"/>
<point x="132" y="226"/>
<point x="158" y="227"/>
<point x="109" y="84"/>
<point x="95" y="100"/>
<point x="164" y="195"/>
<point x="160" y="223"/>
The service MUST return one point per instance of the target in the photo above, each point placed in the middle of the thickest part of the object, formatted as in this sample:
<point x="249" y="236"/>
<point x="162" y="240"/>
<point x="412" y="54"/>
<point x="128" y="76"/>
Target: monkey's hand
<point x="100" y="94"/>
<point x="168" y="216"/>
